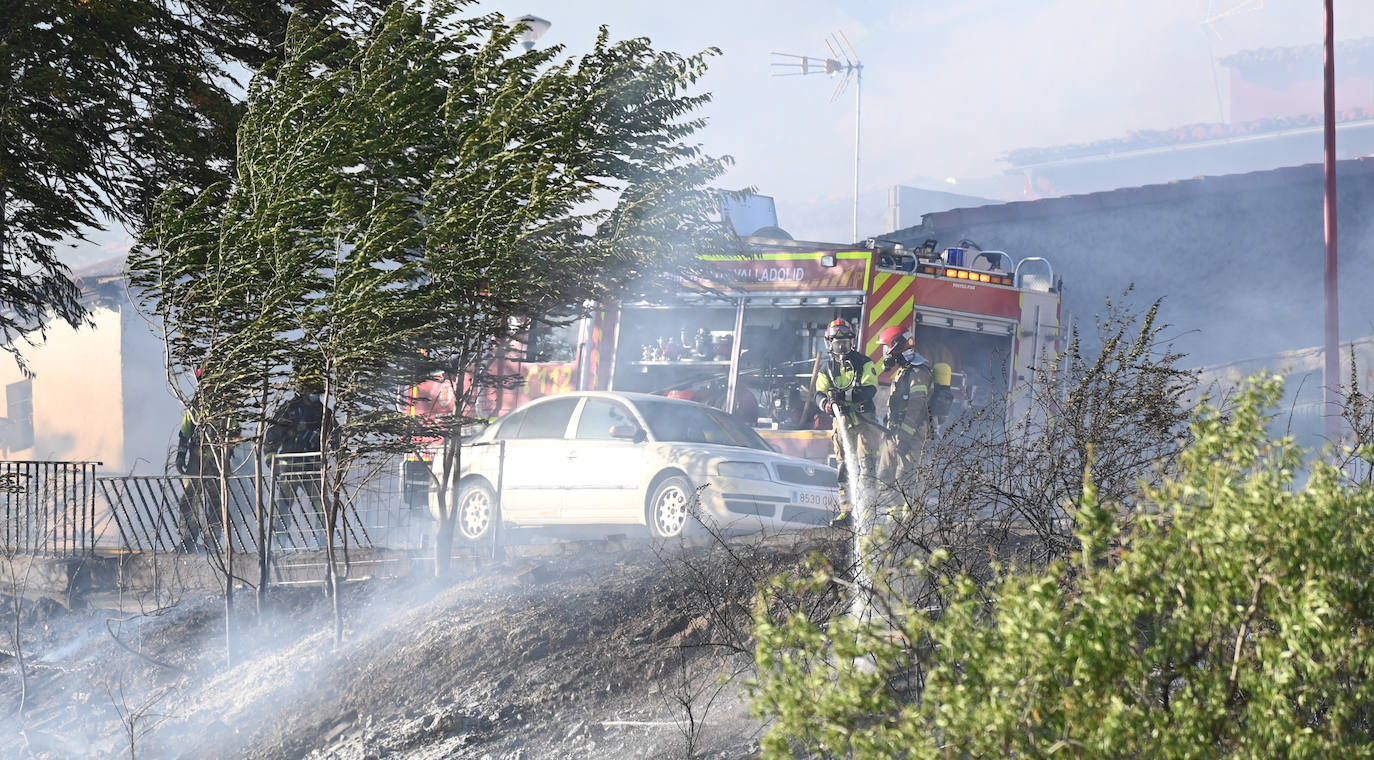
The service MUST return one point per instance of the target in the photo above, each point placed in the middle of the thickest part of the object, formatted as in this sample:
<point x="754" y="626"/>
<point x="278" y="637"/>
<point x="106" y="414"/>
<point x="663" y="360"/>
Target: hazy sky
<point x="949" y="86"/>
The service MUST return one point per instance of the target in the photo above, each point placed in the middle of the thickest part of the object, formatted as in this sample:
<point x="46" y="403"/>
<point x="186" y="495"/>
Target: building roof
<point x="1133" y="196"/>
<point x="1351" y="52"/>
<point x="104" y="282"/>
<point x="1357" y="54"/>
<point x="104" y="269"/>
<point x="1191" y="134"/>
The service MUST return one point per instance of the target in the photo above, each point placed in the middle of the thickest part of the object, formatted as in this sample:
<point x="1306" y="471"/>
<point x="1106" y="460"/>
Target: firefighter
<point x="845" y="387"/>
<point x="299" y="433"/>
<point x="198" y="505"/>
<point x="910" y="415"/>
<point x="941" y="397"/>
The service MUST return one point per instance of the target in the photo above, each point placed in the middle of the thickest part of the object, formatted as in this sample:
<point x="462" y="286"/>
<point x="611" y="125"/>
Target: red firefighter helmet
<point x="894" y="340"/>
<point x="839" y="329"/>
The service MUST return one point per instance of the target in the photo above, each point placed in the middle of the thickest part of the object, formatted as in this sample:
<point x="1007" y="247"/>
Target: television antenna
<point x="848" y="67"/>
<point x="1219" y="10"/>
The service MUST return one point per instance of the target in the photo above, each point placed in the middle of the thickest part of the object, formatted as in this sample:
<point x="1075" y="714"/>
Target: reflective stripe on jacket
<point x="908" y="407"/>
<point x="855" y="376"/>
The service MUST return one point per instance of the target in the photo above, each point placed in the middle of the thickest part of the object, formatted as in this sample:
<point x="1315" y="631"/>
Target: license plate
<point x="813" y="498"/>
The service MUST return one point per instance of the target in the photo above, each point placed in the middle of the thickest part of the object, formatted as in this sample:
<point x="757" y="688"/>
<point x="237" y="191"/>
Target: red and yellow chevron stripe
<point x="889" y="302"/>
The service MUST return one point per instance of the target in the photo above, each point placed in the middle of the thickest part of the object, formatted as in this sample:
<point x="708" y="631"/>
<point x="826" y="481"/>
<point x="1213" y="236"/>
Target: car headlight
<point x="749" y="470"/>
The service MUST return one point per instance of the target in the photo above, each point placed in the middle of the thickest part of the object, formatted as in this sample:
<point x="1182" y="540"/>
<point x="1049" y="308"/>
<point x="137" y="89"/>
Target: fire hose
<point x="841" y="413"/>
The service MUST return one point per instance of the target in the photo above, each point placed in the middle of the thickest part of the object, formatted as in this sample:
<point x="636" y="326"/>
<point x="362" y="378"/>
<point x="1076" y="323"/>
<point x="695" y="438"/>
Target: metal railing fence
<point x="185" y="512"/>
<point x="47" y="508"/>
<point x="177" y="513"/>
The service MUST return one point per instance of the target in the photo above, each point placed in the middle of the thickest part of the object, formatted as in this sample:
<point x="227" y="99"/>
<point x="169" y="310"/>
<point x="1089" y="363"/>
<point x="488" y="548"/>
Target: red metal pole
<point x="1333" y="363"/>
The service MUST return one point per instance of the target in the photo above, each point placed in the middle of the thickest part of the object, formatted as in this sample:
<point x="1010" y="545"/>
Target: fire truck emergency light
<point x="964" y="274"/>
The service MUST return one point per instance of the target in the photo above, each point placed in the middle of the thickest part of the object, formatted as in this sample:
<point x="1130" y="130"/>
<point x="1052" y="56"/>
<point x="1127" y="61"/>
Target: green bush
<point x="1231" y="619"/>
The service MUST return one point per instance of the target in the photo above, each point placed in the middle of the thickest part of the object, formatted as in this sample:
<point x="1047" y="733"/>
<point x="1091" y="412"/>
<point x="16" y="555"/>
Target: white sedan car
<point x="598" y="457"/>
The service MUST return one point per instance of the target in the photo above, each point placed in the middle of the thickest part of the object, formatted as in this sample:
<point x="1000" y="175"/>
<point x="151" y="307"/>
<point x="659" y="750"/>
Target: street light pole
<point x="1331" y="376"/>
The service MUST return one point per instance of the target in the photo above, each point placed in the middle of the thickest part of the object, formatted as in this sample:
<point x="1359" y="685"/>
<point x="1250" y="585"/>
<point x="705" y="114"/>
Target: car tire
<point x="670" y="507"/>
<point x="476" y="511"/>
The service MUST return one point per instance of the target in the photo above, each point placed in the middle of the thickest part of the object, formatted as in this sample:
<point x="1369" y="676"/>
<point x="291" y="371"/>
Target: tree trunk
<point x="451" y="460"/>
<point x="223" y="455"/>
<point x="264" y="532"/>
<point x="332" y="570"/>
<point x="331" y="511"/>
<point x="443" y="544"/>
<point x="16" y="600"/>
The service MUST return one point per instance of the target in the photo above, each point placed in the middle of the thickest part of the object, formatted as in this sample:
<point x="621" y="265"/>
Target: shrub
<point x="1231" y="618"/>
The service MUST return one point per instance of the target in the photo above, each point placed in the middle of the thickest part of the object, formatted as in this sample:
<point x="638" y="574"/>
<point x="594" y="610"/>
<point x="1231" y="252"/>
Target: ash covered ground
<point x="638" y="653"/>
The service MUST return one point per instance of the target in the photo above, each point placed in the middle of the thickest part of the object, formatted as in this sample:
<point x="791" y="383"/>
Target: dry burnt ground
<point x="640" y="653"/>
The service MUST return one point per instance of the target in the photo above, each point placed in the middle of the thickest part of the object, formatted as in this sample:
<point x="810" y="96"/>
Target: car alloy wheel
<point x="476" y="511"/>
<point x="670" y="507"/>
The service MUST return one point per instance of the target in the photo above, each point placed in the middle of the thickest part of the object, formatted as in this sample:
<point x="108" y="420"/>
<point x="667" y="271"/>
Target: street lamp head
<point x="531" y="28"/>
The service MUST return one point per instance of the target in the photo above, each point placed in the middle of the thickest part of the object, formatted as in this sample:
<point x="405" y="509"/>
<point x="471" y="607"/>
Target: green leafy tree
<point x="187" y="283"/>
<point x="1231" y="619"/>
<point x="238" y="276"/>
<point x="104" y="105"/>
<point x="402" y="197"/>
<point x="541" y="185"/>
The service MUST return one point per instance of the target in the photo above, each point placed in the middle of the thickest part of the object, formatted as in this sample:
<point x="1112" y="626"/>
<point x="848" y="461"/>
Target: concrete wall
<point x="152" y="414"/>
<point x="1297" y="97"/>
<point x="1238" y="260"/>
<point x="906" y="205"/>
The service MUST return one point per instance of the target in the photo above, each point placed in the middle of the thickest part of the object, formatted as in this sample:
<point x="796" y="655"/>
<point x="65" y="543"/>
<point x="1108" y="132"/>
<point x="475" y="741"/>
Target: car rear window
<point x="691" y="423"/>
<point x="548" y="419"/>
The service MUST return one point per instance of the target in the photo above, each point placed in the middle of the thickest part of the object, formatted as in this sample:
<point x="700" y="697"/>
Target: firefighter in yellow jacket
<point x="910" y="409"/>
<point x="198" y="505"/>
<point x="845" y="387"/>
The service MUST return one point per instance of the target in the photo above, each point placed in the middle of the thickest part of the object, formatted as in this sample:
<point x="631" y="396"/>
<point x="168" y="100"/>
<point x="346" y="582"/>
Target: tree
<point x="105" y="105"/>
<point x="234" y="274"/>
<point x="1232" y="618"/>
<point x="185" y="282"/>
<point x="466" y="185"/>
<point x="403" y="197"/>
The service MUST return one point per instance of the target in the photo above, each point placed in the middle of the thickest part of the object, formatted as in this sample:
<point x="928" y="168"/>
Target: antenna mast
<point x="841" y="62"/>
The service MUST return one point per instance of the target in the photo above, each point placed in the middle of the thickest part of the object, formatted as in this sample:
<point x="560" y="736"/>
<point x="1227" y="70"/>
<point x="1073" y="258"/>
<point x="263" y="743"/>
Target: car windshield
<point x="689" y="423"/>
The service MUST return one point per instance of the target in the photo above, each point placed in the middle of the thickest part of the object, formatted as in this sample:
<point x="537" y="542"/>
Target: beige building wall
<point x="78" y="404"/>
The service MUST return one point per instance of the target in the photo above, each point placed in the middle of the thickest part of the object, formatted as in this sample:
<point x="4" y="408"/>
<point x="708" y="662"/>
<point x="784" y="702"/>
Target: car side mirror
<point x="629" y="432"/>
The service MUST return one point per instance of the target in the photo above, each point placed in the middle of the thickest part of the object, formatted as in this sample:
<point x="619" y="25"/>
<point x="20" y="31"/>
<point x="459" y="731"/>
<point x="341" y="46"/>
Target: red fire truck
<point x="748" y="340"/>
